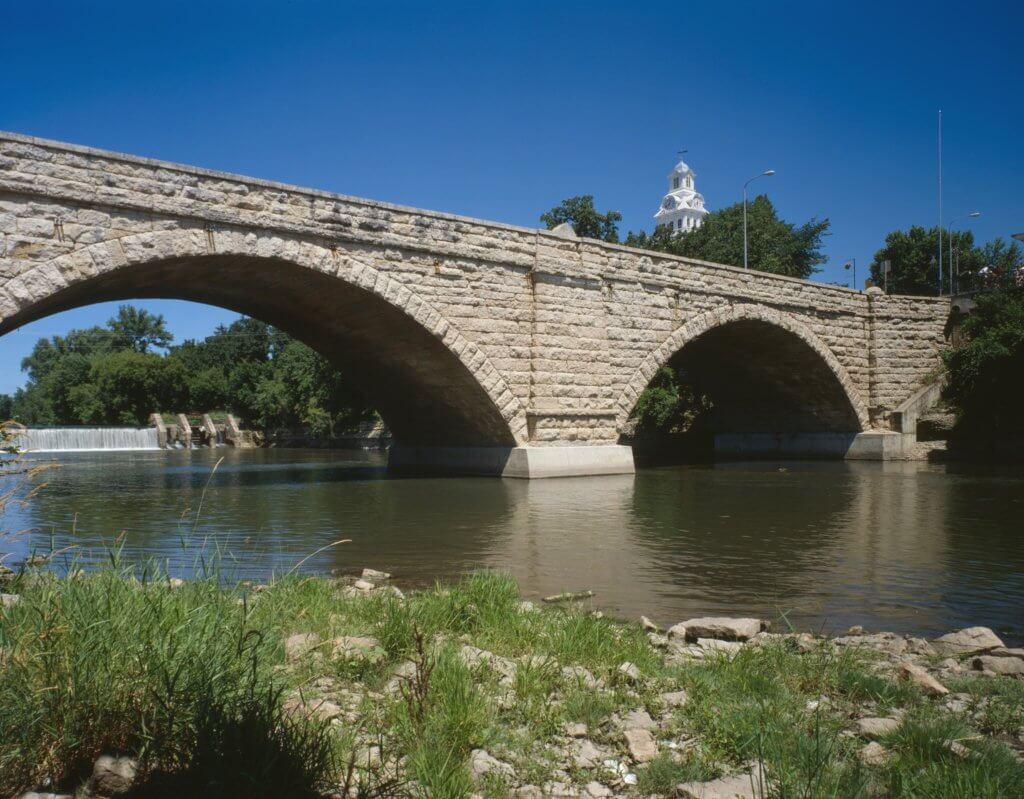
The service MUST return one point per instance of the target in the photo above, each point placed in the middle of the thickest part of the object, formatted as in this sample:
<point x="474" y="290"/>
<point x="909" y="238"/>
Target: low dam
<point x="64" y="439"/>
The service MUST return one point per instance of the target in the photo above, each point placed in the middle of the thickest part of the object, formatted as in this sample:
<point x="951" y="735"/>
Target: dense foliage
<point x="668" y="404"/>
<point x="585" y="219"/>
<point x="914" y="263"/>
<point x="110" y="375"/>
<point x="774" y="245"/>
<point x="986" y="373"/>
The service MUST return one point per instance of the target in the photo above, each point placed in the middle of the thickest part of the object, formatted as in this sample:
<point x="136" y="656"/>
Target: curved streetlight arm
<point x="949" y="238"/>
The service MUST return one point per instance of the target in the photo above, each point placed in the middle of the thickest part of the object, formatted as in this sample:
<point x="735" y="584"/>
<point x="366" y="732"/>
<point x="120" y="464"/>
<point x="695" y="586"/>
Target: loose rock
<point x="675" y="698"/>
<point x="1006" y="666"/>
<point x="363" y="648"/>
<point x="9" y="600"/>
<point x="373" y="574"/>
<point x="722" y="628"/>
<point x="481" y="763"/>
<point x="299" y="645"/>
<point x="586" y="754"/>
<point x="968" y="641"/>
<point x="112" y="776"/>
<point x="641" y="745"/>
<point x="872" y="727"/>
<point x="874" y="754"/>
<point x="920" y="677"/>
<point x="630" y="672"/>
<point x="750" y="785"/>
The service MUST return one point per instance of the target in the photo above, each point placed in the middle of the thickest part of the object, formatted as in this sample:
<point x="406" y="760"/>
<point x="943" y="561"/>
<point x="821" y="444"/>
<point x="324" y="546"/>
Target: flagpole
<point x="940" y="202"/>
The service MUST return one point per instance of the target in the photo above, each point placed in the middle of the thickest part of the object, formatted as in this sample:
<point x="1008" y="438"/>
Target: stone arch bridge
<point x="486" y="347"/>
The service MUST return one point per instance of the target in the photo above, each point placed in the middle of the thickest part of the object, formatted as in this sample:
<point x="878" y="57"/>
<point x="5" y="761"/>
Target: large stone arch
<point x="820" y="360"/>
<point x="432" y="385"/>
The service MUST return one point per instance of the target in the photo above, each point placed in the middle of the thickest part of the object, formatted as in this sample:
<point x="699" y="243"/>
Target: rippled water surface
<point x="899" y="546"/>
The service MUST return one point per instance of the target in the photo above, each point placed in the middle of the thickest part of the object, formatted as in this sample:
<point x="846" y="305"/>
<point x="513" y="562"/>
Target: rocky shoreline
<point x="564" y="703"/>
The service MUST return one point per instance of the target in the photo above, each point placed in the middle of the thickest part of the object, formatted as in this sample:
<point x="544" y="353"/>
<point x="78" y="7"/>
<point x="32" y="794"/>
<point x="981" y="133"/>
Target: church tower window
<point x="675" y="183"/>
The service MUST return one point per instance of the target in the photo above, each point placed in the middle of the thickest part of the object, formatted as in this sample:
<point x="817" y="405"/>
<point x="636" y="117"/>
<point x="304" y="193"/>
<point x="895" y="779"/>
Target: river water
<point x="909" y="547"/>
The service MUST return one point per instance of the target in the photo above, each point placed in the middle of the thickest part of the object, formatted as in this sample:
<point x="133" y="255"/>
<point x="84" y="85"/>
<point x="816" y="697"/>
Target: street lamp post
<point x="949" y="235"/>
<point x="766" y="174"/>
<point x="852" y="262"/>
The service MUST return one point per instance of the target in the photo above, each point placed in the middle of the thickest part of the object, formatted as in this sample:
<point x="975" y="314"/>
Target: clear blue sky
<point x="501" y="110"/>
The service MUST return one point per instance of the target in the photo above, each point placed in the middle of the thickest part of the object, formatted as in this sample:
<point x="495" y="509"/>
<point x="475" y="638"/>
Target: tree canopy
<point x="109" y="375"/>
<point x="986" y="372"/>
<point x="774" y="245"/>
<point x="914" y="262"/>
<point x="585" y="219"/>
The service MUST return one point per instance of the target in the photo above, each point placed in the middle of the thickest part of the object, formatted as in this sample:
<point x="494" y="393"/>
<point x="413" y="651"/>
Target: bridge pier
<point x="524" y="462"/>
<point x="872" y="445"/>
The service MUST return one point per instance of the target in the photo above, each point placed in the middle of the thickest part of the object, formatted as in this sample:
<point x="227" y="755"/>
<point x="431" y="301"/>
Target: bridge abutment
<point x="871" y="445"/>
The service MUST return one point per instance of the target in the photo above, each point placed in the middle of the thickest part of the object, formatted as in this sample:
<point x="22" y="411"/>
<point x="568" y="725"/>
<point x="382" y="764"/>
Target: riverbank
<point x="320" y="687"/>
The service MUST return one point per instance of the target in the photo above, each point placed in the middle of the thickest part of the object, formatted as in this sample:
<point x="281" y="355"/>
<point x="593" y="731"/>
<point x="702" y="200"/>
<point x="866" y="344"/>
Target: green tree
<point x="774" y="245"/>
<point x="585" y="219"/>
<point x="137" y="329"/>
<point x="668" y="404"/>
<point x="986" y="373"/>
<point x="914" y="261"/>
<point x="132" y="384"/>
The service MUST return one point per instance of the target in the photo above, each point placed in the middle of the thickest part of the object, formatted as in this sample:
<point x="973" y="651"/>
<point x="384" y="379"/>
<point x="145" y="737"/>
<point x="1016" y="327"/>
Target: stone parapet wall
<point x="556" y="331"/>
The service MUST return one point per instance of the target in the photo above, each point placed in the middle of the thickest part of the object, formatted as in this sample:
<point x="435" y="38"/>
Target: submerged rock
<point x="373" y="574"/>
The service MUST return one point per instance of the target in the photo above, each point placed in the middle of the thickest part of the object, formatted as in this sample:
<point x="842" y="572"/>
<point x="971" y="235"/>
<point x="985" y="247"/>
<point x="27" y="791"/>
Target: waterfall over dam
<point x="67" y="439"/>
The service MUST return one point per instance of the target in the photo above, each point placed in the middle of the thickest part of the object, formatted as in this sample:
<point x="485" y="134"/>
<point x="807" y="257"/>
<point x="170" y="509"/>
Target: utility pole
<point x="940" y="202"/>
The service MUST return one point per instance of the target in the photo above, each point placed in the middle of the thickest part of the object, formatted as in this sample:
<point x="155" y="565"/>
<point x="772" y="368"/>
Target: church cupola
<point x="683" y="207"/>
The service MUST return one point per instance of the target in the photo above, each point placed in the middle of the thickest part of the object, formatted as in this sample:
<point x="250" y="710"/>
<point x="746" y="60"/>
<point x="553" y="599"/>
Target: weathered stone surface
<point x="874" y="727"/>
<point x="675" y="698"/>
<point x="641" y="745"/>
<point x="874" y="754"/>
<point x="113" y="776"/>
<point x="447" y="300"/>
<point x="9" y="600"/>
<point x="638" y="719"/>
<point x="750" y="785"/>
<point x="721" y="628"/>
<point x="363" y="585"/>
<point x="630" y="672"/>
<point x="482" y="763"/>
<point x="596" y="790"/>
<point x="968" y="641"/>
<point x="373" y="574"/>
<point x="300" y="645"/>
<point x="586" y="754"/>
<point x="889" y="643"/>
<point x="920" y="677"/>
<point x="357" y="647"/>
<point x="1007" y="666"/>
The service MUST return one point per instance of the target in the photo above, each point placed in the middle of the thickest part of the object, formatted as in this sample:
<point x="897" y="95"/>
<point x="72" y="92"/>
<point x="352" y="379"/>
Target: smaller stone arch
<point x="707" y="322"/>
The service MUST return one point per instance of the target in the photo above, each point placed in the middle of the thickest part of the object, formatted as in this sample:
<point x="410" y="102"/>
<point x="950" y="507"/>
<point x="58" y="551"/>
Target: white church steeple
<point x="683" y="207"/>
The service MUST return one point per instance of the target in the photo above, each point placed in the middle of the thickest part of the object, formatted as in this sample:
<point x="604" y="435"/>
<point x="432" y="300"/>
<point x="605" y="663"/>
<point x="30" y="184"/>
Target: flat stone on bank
<point x="641" y="745"/>
<point x="373" y="574"/>
<point x="1007" y="666"/>
<point x="749" y="785"/>
<point x="675" y="698"/>
<point x="112" y="776"/>
<point x="922" y="679"/>
<point x="968" y="641"/>
<point x="872" y="727"/>
<point x="299" y="645"/>
<point x="481" y="763"/>
<point x="720" y="627"/>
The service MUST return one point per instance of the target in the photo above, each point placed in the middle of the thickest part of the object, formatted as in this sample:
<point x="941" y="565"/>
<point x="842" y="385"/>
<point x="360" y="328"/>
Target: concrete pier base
<point x="525" y="462"/>
<point x="873" y="445"/>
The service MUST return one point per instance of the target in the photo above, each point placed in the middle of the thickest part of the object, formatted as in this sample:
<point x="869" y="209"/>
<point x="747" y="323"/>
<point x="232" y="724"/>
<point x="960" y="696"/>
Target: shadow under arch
<point x="431" y="385"/>
<point x="764" y="371"/>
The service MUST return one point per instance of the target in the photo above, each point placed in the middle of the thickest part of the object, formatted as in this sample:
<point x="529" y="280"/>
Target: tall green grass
<point x="181" y="678"/>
